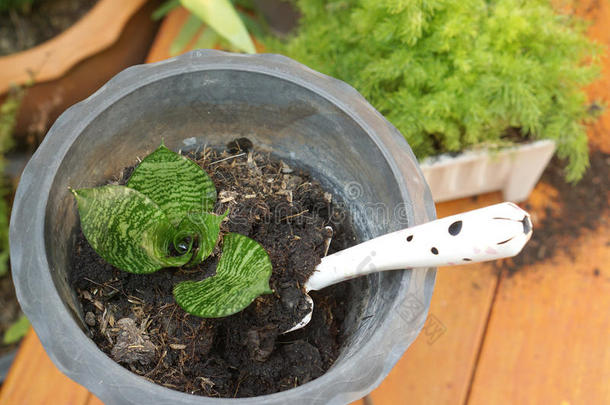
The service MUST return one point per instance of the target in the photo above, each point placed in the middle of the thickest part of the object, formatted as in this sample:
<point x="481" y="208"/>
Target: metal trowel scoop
<point x="489" y="233"/>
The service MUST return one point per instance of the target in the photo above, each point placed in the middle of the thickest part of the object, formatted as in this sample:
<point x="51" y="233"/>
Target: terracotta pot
<point x="113" y="35"/>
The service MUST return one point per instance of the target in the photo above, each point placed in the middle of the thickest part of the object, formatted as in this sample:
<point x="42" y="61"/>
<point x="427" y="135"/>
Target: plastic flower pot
<point x="514" y="170"/>
<point x="211" y="97"/>
<point x="5" y="363"/>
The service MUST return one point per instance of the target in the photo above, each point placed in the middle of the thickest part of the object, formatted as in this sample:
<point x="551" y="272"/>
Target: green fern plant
<point x="162" y="218"/>
<point x="456" y="74"/>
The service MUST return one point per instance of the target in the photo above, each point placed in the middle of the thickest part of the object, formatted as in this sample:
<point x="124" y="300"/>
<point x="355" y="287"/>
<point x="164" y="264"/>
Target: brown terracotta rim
<point x="96" y="31"/>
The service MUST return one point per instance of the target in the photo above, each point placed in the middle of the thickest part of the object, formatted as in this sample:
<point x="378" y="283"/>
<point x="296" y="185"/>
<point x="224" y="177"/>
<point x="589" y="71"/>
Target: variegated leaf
<point x="127" y="229"/>
<point x="175" y="183"/>
<point x="242" y="274"/>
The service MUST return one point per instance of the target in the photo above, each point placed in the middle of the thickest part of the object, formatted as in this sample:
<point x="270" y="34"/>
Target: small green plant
<point x="16" y="331"/>
<point x="162" y="218"/>
<point x="454" y="74"/>
<point x="8" y="118"/>
<point x="211" y="22"/>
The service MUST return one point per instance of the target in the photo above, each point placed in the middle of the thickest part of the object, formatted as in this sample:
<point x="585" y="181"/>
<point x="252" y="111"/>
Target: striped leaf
<point x="127" y="229"/>
<point x="175" y="183"/>
<point x="222" y="17"/>
<point x="159" y="220"/>
<point x="242" y="274"/>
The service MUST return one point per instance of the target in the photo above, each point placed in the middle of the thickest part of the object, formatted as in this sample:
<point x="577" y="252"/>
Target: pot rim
<point x="471" y="154"/>
<point x="37" y="179"/>
<point x="6" y="360"/>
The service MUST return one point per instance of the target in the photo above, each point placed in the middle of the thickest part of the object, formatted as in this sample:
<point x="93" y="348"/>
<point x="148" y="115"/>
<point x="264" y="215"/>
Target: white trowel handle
<point x="489" y="233"/>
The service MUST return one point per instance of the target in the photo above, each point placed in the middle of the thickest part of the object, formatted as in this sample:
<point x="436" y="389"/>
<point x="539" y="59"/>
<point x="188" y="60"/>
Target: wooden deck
<point x="541" y="336"/>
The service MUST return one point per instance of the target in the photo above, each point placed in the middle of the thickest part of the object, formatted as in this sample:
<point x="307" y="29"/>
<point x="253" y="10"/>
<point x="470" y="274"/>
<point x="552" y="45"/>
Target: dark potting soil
<point x="9" y="310"/>
<point x="24" y="29"/>
<point x="581" y="207"/>
<point x="135" y="320"/>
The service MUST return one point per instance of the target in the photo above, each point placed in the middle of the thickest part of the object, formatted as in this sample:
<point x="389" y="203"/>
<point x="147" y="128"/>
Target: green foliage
<point x="161" y="219"/>
<point x="127" y="229"/>
<point x="242" y="274"/>
<point x="8" y="119"/>
<point x="175" y="183"/>
<point x="454" y="74"/>
<point x="158" y="220"/>
<point x="216" y="19"/>
<point x="19" y="5"/>
<point x="16" y="331"/>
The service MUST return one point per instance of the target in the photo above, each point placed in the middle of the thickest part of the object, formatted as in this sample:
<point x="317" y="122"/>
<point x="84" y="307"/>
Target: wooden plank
<point x="438" y="367"/>
<point x="549" y="333"/>
<point x="34" y="380"/>
<point x="598" y="13"/>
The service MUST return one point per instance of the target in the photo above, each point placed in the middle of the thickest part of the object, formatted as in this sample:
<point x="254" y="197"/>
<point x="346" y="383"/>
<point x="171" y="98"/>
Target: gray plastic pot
<point x="211" y="97"/>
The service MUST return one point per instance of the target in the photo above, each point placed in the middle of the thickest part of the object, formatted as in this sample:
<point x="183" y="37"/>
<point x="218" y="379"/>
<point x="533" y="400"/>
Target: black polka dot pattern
<point x="409" y="238"/>
<point x="434" y="251"/>
<point x="467" y="259"/>
<point x="455" y="228"/>
<point x="505" y="241"/>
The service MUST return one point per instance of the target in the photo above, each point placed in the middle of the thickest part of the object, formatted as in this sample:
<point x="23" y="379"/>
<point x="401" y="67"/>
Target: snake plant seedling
<point x="162" y="218"/>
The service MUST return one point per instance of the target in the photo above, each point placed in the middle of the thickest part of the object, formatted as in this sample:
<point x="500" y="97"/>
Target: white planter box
<point x="513" y="170"/>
